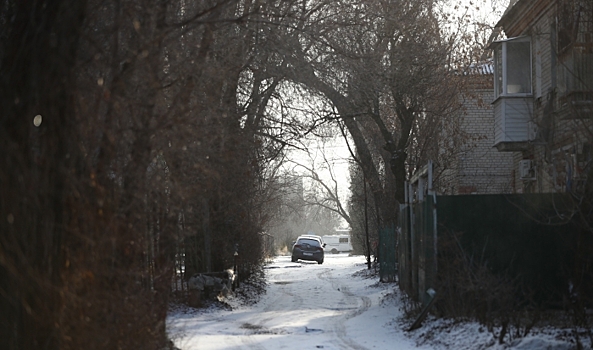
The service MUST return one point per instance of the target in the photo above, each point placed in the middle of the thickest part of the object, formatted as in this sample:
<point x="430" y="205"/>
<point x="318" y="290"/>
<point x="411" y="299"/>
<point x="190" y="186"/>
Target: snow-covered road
<point x="307" y="306"/>
<point x="336" y="305"/>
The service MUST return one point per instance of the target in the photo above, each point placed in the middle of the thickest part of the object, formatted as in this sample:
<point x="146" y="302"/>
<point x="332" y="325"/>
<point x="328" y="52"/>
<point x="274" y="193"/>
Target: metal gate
<point x="417" y="246"/>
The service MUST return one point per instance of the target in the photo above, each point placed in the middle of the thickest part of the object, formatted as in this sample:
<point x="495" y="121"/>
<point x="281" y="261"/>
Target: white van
<point x="337" y="244"/>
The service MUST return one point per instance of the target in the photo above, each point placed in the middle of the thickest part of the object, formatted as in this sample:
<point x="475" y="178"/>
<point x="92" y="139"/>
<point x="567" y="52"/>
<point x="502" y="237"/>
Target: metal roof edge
<point x="515" y="38"/>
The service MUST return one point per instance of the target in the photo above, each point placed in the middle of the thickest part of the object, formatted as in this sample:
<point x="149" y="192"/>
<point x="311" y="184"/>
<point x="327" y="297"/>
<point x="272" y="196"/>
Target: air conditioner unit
<point x="526" y="171"/>
<point x="531" y="131"/>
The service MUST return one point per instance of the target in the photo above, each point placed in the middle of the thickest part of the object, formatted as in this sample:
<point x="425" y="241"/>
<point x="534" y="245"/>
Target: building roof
<point x="520" y="14"/>
<point x="508" y="12"/>
<point x="482" y="68"/>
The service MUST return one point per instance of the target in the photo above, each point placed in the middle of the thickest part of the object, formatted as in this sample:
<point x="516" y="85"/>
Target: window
<point x="575" y="57"/>
<point x="344" y="240"/>
<point x="311" y="242"/>
<point x="513" y="105"/>
<point x="512" y="67"/>
<point x="575" y="23"/>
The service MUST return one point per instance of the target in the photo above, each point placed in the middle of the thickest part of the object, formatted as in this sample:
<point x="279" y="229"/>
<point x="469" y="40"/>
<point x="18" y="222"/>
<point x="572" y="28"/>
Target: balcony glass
<point x="512" y="68"/>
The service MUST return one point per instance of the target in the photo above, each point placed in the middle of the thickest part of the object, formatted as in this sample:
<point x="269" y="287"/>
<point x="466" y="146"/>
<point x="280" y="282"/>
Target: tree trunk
<point x="35" y="77"/>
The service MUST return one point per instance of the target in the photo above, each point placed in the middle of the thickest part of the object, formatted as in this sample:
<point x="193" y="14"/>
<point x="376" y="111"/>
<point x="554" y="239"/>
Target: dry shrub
<point x="113" y="292"/>
<point x="469" y="289"/>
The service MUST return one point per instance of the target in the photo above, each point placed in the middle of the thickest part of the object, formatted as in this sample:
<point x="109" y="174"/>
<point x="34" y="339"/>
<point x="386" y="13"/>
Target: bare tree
<point x="122" y="146"/>
<point x="325" y="187"/>
<point x="384" y="66"/>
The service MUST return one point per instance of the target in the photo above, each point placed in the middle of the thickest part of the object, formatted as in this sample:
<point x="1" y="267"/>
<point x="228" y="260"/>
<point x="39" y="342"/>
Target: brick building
<point x="477" y="167"/>
<point x="543" y="93"/>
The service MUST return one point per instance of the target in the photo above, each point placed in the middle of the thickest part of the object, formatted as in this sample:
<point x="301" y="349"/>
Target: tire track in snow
<point x="363" y="304"/>
<point x="285" y="299"/>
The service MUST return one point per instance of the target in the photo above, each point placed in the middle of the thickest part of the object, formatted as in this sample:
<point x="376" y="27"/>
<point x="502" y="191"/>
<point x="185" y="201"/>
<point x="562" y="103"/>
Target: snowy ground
<point x="333" y="306"/>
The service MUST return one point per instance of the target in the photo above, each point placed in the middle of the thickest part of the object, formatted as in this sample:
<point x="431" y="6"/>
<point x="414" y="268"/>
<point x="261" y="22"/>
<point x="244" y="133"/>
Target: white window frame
<point x="502" y="45"/>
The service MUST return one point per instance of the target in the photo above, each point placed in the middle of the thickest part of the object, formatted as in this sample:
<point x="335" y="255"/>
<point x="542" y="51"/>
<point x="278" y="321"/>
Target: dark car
<point x="308" y="248"/>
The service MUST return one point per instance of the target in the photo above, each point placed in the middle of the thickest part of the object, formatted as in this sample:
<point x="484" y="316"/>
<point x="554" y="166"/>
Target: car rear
<point x="308" y="249"/>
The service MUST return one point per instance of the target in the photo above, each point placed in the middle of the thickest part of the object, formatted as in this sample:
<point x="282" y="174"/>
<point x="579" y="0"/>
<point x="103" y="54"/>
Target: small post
<point x="236" y="258"/>
<point x="430" y="298"/>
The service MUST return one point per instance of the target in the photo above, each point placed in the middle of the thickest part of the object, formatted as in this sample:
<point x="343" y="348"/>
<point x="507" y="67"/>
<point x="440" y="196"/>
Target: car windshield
<point x="309" y="241"/>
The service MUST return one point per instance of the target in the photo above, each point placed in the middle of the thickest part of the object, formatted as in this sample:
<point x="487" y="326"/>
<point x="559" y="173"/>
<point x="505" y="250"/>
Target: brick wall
<point x="478" y="167"/>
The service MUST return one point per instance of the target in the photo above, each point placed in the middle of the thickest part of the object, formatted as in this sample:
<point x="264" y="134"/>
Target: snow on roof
<point x="482" y="68"/>
<point x="478" y="68"/>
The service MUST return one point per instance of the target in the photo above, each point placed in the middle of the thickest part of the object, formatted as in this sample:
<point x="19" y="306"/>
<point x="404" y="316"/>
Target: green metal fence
<point x="387" y="255"/>
<point x="528" y="237"/>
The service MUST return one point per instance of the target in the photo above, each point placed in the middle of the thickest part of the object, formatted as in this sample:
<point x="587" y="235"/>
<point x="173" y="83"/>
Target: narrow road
<point x="337" y="305"/>
<point x="307" y="306"/>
